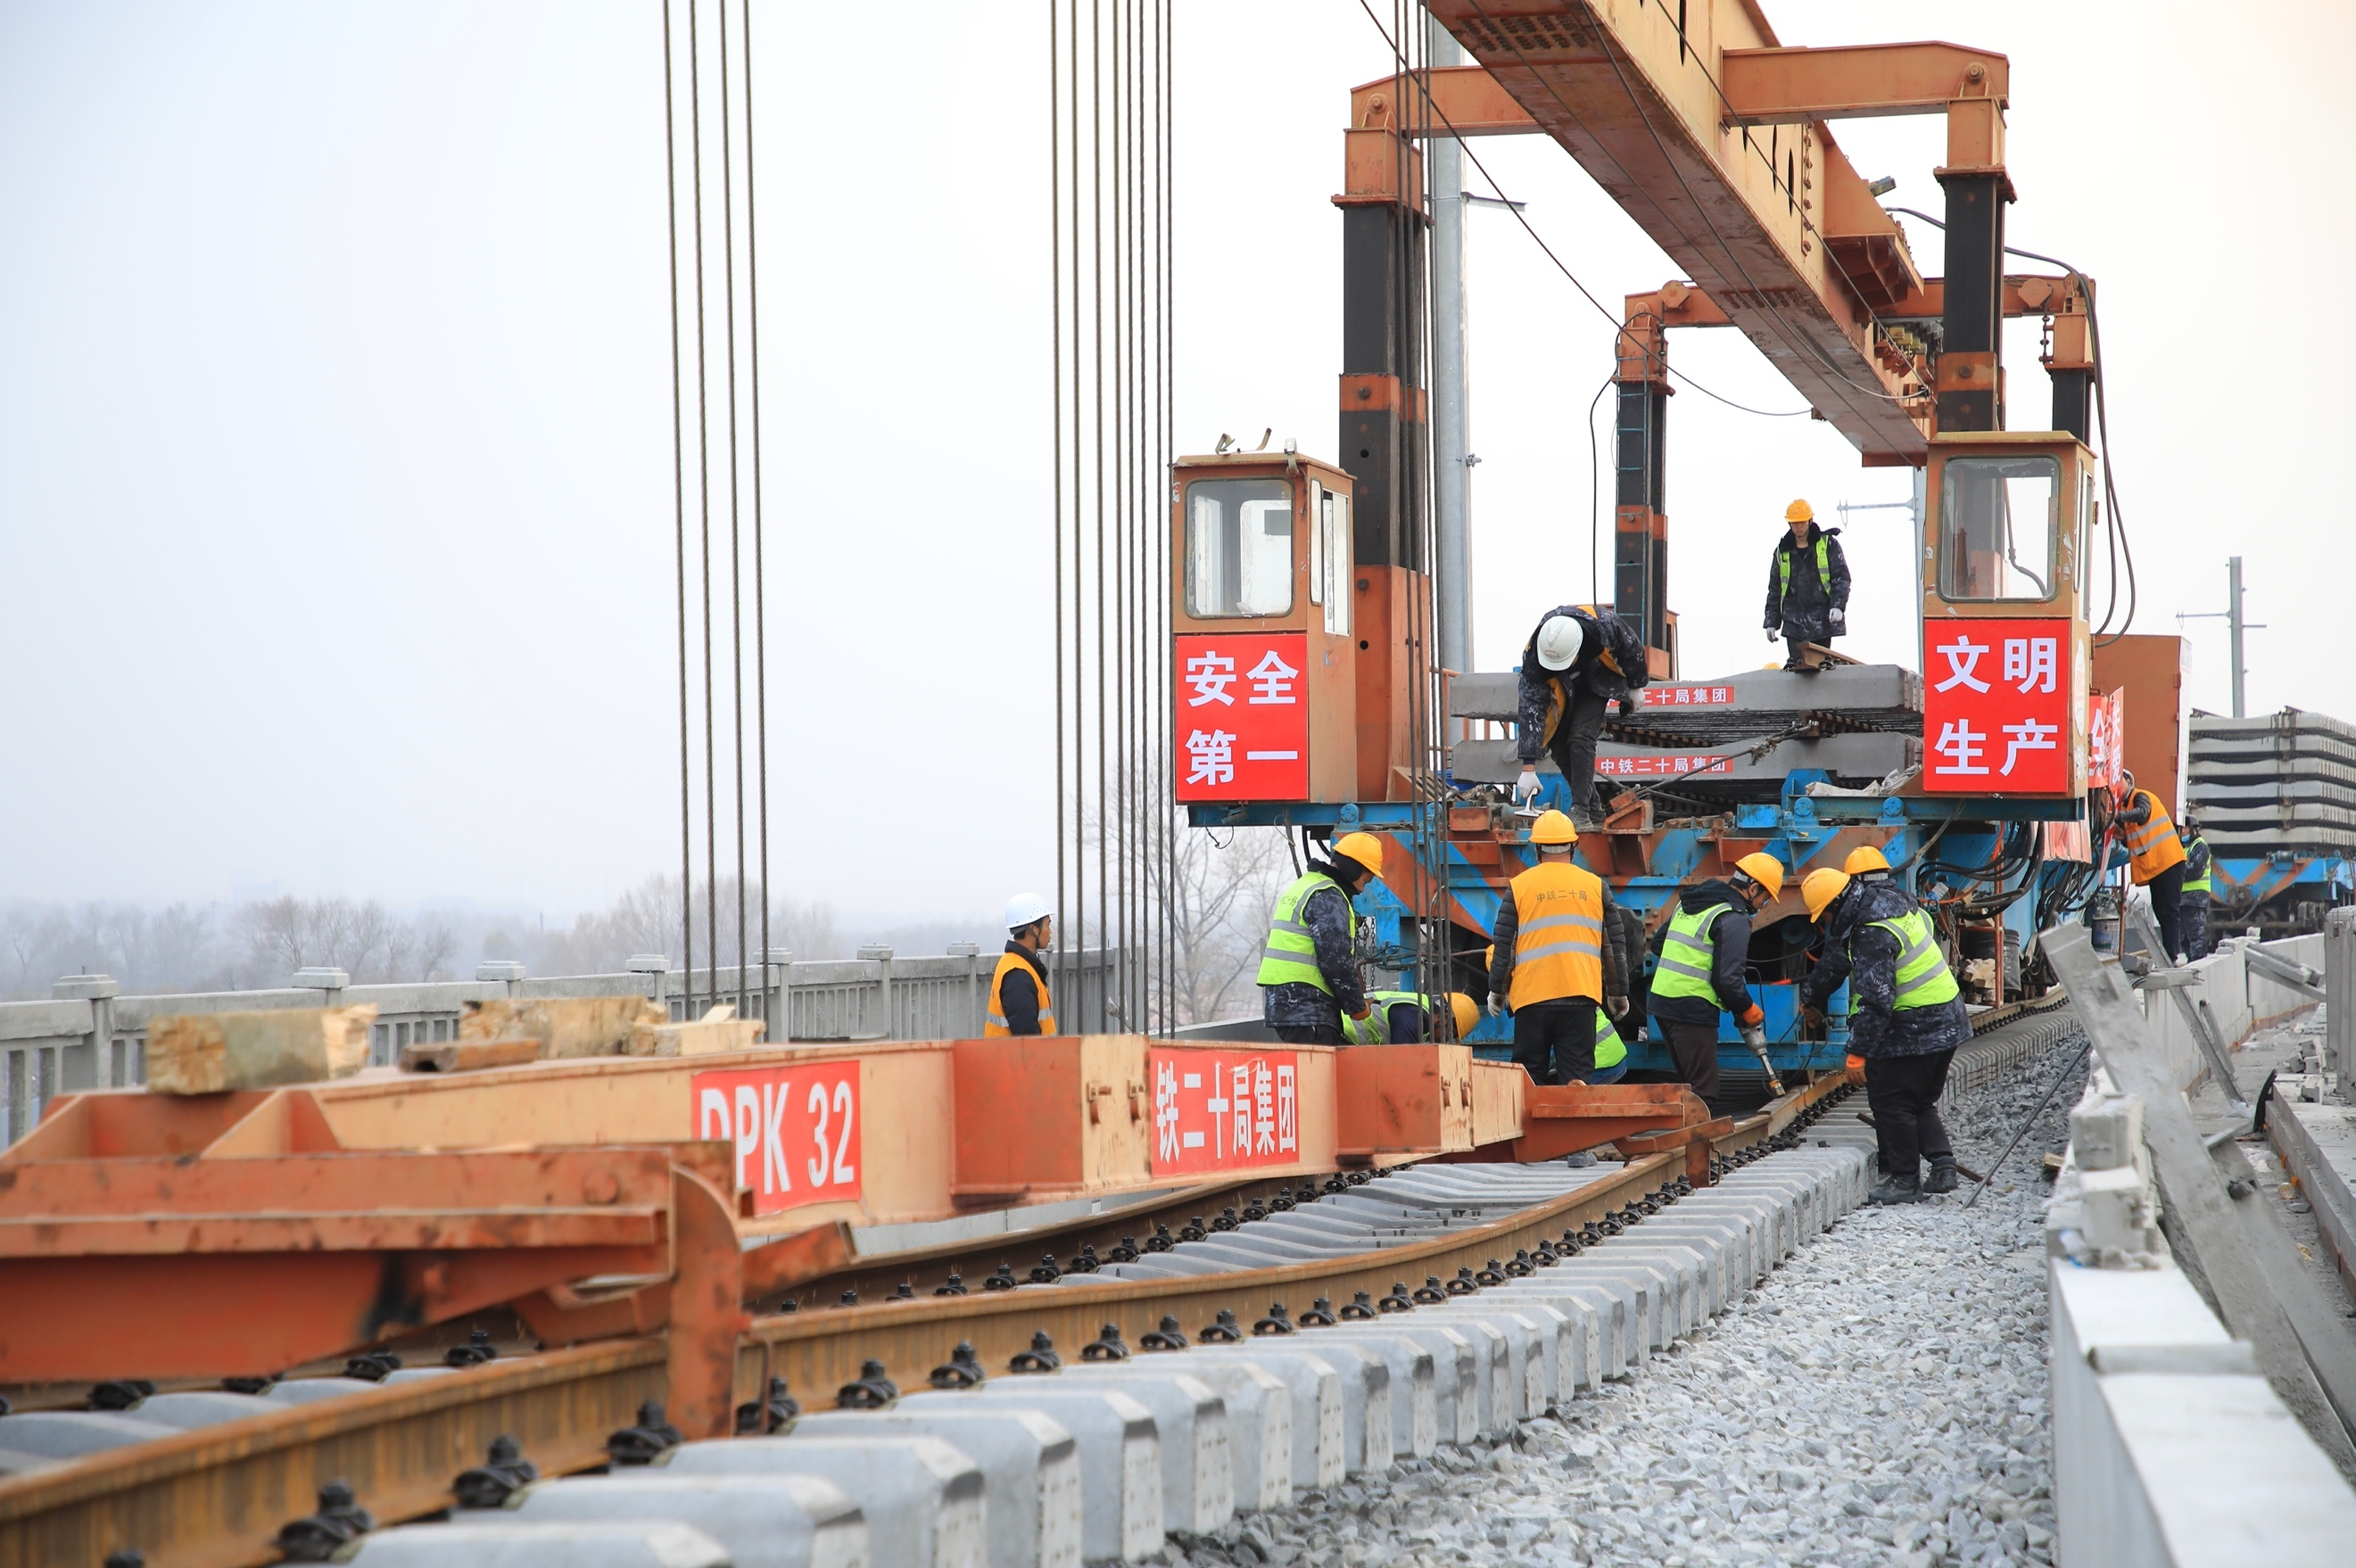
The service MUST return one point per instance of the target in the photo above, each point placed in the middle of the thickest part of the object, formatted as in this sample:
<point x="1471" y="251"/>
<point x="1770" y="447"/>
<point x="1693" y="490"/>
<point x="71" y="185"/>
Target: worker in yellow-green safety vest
<point x="1808" y="585"/>
<point x="2192" y="903"/>
<point x="1019" y="999"/>
<point x="1411" y="1017"/>
<point x="2155" y="859"/>
<point x="1702" y="973"/>
<point x="1308" y="970"/>
<point x="1906" y="1019"/>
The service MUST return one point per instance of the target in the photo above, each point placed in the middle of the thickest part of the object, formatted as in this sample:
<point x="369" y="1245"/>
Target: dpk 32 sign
<point x="794" y="1128"/>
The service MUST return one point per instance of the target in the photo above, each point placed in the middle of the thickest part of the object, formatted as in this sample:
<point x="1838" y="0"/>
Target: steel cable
<point x="679" y="527"/>
<point x="777" y="1027"/>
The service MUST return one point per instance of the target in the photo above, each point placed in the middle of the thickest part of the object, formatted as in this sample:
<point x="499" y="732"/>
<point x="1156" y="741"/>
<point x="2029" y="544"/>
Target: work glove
<point x="1755" y="1037"/>
<point x="1813" y="1016"/>
<point x="1775" y="635"/>
<point x="1496" y="1006"/>
<point x="1839" y="623"/>
<point x="1527" y="787"/>
<point x="1752" y="1017"/>
<point x="1360" y="1014"/>
<point x="1616" y="1005"/>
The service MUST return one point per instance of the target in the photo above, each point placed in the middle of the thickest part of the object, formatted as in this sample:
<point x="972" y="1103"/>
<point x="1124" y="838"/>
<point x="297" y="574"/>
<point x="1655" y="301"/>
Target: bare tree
<point x="1209" y="890"/>
<point x="647" y="919"/>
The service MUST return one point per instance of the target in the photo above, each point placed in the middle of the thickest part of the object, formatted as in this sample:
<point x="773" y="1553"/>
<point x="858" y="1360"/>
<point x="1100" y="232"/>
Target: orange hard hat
<point x="1866" y="858"/>
<point x="1820" y="888"/>
<point x="1467" y="1010"/>
<point x="1763" y="869"/>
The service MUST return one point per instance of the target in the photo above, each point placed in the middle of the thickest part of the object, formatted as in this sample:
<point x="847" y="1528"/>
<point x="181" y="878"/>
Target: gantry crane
<point x="1981" y="780"/>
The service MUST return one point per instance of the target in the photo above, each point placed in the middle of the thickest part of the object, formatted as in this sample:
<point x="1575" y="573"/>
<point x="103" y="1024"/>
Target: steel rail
<point x="215" y="1497"/>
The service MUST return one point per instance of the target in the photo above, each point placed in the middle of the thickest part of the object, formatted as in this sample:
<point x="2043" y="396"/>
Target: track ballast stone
<point x="1880" y="1400"/>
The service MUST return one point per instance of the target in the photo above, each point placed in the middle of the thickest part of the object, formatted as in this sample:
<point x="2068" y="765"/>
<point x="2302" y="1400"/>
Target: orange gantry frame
<point x="243" y="1233"/>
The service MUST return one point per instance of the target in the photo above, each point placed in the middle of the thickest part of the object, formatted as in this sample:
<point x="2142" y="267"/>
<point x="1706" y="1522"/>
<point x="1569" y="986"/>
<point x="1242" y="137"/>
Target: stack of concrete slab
<point x="2285" y="782"/>
<point x="1861" y="722"/>
<point x="1097" y="1462"/>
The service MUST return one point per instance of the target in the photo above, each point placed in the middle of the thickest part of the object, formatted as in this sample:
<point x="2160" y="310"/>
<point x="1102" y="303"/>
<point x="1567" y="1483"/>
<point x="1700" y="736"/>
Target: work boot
<point x="1943" y="1177"/>
<point x="1907" y="1188"/>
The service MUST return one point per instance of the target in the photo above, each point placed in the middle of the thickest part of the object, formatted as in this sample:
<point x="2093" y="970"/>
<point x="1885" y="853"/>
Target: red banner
<point x="2106" y="738"/>
<point x="1996" y="706"/>
<point x="1243" y="716"/>
<point x="795" y="1130"/>
<point x="1225" y="1110"/>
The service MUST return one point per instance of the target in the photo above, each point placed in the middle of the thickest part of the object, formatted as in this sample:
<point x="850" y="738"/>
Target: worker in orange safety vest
<point x="1019" y="999"/>
<point x="2155" y="859"/>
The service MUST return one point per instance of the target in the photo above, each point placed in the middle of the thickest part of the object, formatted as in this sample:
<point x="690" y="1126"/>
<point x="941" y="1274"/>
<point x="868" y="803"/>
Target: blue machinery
<point x="1955" y="837"/>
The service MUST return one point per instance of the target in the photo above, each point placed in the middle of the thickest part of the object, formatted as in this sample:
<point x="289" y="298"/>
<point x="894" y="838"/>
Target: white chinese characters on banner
<point x="1211" y="754"/>
<point x="1996" y="706"/>
<point x="1242" y="716"/>
<point x="1210" y="674"/>
<point x="1221" y="1109"/>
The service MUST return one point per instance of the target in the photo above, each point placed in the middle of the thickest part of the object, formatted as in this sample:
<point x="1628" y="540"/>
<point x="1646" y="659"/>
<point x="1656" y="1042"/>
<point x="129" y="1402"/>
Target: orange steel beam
<point x="1634" y="91"/>
<point x="1465" y="101"/>
<point x="1856" y="81"/>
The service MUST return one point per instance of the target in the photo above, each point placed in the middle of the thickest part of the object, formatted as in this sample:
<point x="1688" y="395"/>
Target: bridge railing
<point x="88" y="1035"/>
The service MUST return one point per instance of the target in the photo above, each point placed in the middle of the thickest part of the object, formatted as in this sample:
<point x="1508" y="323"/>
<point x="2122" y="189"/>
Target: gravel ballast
<point x="1881" y="1399"/>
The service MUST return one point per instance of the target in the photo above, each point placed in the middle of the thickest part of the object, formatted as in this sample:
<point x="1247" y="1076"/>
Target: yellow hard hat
<point x="1820" y="887"/>
<point x="1763" y="869"/>
<point x="1799" y="512"/>
<point x="1866" y="858"/>
<point x="1364" y="848"/>
<point x="1488" y="956"/>
<point x="1468" y="1012"/>
<point x="1553" y="827"/>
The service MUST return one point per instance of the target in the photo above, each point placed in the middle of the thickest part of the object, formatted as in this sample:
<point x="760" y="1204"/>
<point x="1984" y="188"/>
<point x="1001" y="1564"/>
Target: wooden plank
<point x="469" y="1055"/>
<point x="717" y="1031"/>
<point x="564" y="1026"/>
<point x="207" y="1053"/>
<point x="2224" y="1248"/>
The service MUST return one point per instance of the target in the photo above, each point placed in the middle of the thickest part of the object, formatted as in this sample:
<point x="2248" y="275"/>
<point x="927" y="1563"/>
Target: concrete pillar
<point x="777" y="994"/>
<point x="971" y="953"/>
<point x="92" y="1062"/>
<point x="656" y="967"/>
<point x="505" y="971"/>
<point x="880" y="954"/>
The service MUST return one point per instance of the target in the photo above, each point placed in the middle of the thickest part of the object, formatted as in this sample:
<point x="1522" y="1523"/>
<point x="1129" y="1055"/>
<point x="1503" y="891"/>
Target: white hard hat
<point x="1559" y="640"/>
<point x="1025" y="909"/>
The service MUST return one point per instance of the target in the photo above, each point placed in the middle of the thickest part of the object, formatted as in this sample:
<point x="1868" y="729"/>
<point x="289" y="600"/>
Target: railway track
<point x="221" y="1493"/>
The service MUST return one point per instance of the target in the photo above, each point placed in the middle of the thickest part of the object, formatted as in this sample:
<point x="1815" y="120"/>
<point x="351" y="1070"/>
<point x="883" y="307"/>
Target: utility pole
<point x="1451" y="472"/>
<point x="2235" y="627"/>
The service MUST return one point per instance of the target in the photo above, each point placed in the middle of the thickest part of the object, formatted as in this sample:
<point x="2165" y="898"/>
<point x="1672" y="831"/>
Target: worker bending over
<point x="1905" y="1018"/>
<point x="1559" y="959"/>
<point x="1308" y="973"/>
<point x="1019" y="999"/>
<point x="2192" y="902"/>
<point x="1808" y="585"/>
<point x="1577" y="663"/>
<point x="1700" y="976"/>
<point x="1410" y="1018"/>
<point x="2154" y="859"/>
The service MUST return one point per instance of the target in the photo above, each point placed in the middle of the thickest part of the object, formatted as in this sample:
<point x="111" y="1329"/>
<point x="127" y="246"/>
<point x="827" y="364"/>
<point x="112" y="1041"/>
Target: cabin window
<point x="1999" y="526"/>
<point x="1239" y="548"/>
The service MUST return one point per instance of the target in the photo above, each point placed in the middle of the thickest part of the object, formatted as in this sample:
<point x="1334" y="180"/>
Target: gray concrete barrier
<point x="923" y="1499"/>
<point x="764" y="1521"/>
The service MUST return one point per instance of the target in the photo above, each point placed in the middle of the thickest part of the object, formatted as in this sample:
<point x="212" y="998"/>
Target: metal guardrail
<point x="88" y="1036"/>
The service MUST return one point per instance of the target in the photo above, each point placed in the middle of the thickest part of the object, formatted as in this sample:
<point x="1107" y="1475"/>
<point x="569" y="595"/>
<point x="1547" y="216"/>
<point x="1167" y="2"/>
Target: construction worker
<point x="1019" y="999"/>
<point x="1308" y="973"/>
<point x="1577" y="663"/>
<point x="1906" y="1019"/>
<point x="2192" y="903"/>
<point x="1409" y="1018"/>
<point x="1559" y="957"/>
<point x="1701" y="975"/>
<point x="1808" y="585"/>
<point x="2154" y="859"/>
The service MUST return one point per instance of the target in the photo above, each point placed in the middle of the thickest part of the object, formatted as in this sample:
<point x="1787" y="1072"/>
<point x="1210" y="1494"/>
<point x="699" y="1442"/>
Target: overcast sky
<point x="334" y="446"/>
